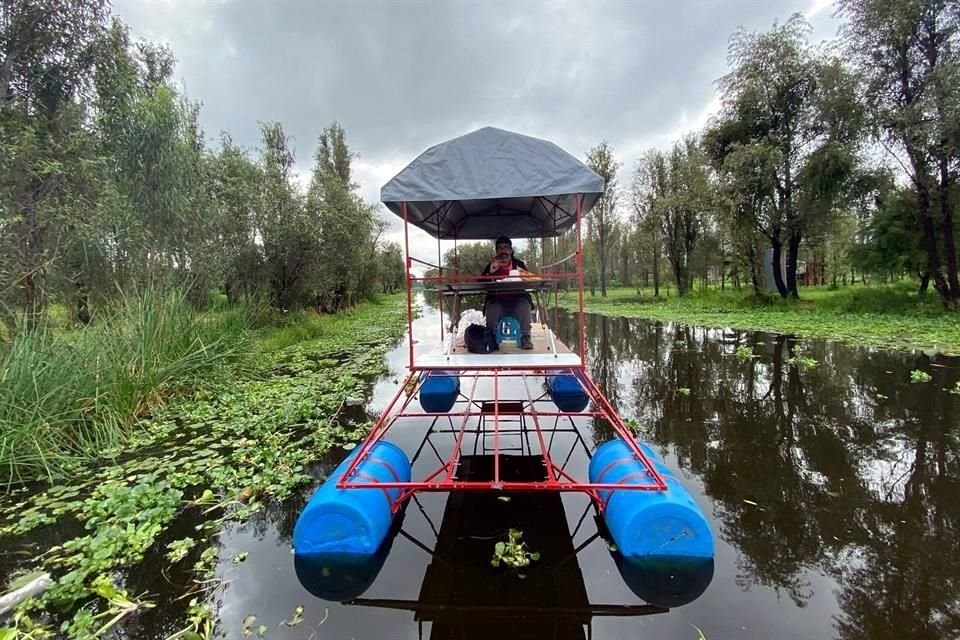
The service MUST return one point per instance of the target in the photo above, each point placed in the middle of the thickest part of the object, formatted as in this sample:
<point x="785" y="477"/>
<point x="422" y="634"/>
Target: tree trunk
<point x="930" y="242"/>
<point x="656" y="273"/>
<point x="924" y="282"/>
<point x="603" y="273"/>
<point x="678" y="277"/>
<point x="83" y="303"/>
<point x="949" y="243"/>
<point x="777" y="246"/>
<point x="755" y="277"/>
<point x="793" y="247"/>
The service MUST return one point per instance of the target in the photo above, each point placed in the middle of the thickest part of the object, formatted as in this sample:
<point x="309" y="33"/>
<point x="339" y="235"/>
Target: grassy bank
<point x="889" y="316"/>
<point x="221" y="452"/>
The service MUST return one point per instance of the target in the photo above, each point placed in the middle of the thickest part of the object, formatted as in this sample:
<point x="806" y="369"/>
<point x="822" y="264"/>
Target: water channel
<point x="833" y="490"/>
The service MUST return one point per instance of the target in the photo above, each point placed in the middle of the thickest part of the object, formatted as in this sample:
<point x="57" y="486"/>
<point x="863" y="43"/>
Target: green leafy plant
<point x="956" y="388"/>
<point x="683" y="391"/>
<point x="513" y="552"/>
<point x="87" y="624"/>
<point x="743" y="352"/>
<point x="296" y="619"/>
<point x="635" y="427"/>
<point x="801" y="360"/>
<point x="178" y="549"/>
<point x="920" y="376"/>
<point x="67" y="397"/>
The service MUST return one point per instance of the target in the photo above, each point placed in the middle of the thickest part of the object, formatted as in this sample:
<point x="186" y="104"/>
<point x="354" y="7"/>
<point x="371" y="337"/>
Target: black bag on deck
<point x="478" y="339"/>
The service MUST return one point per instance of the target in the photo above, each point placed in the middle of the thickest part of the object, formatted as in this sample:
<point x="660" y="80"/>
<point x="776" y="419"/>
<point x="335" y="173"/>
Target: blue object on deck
<point x="509" y="329"/>
<point x="646" y="523"/>
<point x="439" y="391"/>
<point x="567" y="392"/>
<point x="353" y="520"/>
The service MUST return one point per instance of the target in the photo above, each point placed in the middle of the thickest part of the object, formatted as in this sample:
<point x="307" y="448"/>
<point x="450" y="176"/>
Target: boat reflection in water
<point x="464" y="597"/>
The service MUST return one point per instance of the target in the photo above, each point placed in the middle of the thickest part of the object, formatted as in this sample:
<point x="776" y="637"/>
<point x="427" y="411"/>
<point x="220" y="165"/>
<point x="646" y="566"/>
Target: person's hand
<point x="495" y="265"/>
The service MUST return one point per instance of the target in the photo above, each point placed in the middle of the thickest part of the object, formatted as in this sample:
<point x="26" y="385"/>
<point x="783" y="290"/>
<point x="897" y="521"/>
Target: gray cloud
<point x="402" y="76"/>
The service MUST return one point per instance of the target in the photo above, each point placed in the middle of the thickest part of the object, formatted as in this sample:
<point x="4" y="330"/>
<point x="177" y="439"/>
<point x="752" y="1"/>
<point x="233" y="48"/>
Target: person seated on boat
<point x="516" y="304"/>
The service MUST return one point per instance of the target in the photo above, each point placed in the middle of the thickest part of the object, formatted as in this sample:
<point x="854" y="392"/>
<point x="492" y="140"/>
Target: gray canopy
<point x="492" y="182"/>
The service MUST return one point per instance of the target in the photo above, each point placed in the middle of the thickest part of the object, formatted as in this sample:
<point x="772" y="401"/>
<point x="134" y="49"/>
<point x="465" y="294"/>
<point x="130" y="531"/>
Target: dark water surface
<point x="833" y="492"/>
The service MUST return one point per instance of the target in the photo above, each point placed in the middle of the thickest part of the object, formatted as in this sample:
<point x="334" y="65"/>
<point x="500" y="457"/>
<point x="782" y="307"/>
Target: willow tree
<point x="349" y="230"/>
<point x="233" y="181"/>
<point x="672" y="194"/>
<point x="797" y="110"/>
<point x="908" y="52"/>
<point x="46" y="56"/>
<point x="602" y="221"/>
<point x="288" y="231"/>
<point x="646" y="176"/>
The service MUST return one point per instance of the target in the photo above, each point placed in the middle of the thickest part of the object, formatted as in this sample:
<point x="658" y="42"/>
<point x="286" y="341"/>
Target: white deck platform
<point x="542" y="356"/>
<point x="497" y="360"/>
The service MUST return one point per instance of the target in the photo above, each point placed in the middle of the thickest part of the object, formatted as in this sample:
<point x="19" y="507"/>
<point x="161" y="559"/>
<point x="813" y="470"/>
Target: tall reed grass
<point x="67" y="397"/>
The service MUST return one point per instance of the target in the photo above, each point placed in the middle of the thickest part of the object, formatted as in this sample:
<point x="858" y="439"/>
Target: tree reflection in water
<point x="844" y="468"/>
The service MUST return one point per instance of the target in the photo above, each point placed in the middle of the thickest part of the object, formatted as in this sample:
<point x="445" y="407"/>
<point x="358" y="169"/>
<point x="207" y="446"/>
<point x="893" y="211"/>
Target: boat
<point x="510" y="404"/>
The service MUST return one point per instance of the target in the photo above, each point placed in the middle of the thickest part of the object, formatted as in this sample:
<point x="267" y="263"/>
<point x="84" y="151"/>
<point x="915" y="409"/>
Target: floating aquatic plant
<point x="513" y="552"/>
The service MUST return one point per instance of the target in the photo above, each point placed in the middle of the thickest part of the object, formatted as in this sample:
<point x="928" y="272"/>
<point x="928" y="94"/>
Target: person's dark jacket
<point x="517" y="264"/>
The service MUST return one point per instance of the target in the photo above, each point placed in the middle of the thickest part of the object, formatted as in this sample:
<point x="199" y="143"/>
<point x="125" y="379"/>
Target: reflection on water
<point x="843" y="470"/>
<point x="832" y="490"/>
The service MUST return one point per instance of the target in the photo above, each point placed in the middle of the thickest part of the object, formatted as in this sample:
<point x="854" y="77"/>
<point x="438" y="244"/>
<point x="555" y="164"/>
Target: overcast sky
<point x="403" y="76"/>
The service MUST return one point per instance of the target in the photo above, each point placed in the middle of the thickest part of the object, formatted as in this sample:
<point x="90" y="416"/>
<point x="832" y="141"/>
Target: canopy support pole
<point x="583" y="327"/>
<point x="406" y="275"/>
<point x="440" y="267"/>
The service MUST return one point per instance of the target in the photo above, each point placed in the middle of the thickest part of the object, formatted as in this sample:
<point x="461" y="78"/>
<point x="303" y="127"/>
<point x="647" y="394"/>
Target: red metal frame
<point x="557" y="479"/>
<point x="444" y="478"/>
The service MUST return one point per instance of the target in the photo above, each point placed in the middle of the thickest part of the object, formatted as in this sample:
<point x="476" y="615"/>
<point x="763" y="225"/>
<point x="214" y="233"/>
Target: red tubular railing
<point x="444" y="477"/>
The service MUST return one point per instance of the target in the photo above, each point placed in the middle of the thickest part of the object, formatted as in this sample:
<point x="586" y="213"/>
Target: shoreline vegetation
<point x="890" y="316"/>
<point x="204" y="452"/>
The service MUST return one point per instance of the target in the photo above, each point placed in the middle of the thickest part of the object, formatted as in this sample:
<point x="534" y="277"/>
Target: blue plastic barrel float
<point x="339" y="577"/>
<point x="439" y="391"/>
<point x="567" y="392"/>
<point x="353" y="521"/>
<point x="665" y="581"/>
<point x="648" y="523"/>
